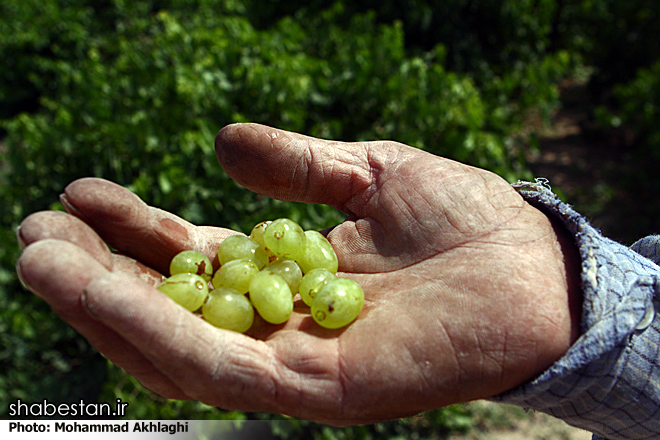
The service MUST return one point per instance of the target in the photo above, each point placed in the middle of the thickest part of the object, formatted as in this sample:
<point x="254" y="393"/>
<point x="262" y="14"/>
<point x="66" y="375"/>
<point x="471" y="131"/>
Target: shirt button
<point x="648" y="316"/>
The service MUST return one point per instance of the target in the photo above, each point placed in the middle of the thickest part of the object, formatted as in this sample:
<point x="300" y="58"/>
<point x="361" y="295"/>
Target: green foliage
<point x="618" y="37"/>
<point x="632" y="121"/>
<point x="640" y="106"/>
<point x="619" y="40"/>
<point x="41" y="358"/>
<point x="503" y="45"/>
<point x="135" y="92"/>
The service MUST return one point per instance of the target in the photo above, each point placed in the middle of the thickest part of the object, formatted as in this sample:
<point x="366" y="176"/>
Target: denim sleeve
<point x="609" y="381"/>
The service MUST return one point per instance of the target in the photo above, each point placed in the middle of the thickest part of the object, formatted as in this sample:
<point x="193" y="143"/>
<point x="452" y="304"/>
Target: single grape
<point x="187" y="289"/>
<point x="271" y="296"/>
<point x="312" y="282"/>
<point x="338" y="303"/>
<point x="227" y="308"/>
<point x="318" y="253"/>
<point x="257" y="233"/>
<point x="235" y="274"/>
<point x="285" y="239"/>
<point x="236" y="247"/>
<point x="289" y="270"/>
<point x="192" y="262"/>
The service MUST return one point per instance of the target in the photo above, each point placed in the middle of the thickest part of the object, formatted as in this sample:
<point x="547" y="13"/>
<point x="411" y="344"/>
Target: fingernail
<point x="20" y="240"/>
<point x="19" y="275"/>
<point x="69" y="207"/>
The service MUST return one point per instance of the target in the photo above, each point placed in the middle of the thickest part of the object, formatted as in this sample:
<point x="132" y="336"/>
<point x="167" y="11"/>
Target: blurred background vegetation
<point x="135" y="91"/>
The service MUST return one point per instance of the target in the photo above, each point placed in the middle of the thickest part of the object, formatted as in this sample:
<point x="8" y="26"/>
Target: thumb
<point x="293" y="167"/>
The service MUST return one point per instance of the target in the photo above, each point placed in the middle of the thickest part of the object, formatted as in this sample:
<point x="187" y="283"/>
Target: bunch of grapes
<point x="262" y="274"/>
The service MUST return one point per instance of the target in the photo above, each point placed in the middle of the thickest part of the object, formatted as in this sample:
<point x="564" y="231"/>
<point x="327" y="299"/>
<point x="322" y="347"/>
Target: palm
<point x="444" y="252"/>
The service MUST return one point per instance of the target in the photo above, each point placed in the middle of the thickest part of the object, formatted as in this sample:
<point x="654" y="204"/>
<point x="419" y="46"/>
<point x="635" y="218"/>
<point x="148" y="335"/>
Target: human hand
<point x="469" y="290"/>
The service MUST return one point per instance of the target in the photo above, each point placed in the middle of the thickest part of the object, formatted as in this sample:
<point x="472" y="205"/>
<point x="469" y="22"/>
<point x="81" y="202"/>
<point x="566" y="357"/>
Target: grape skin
<point x="271" y="296"/>
<point x="285" y="239"/>
<point x="257" y="235"/>
<point x="186" y="289"/>
<point x="236" y="274"/>
<point x="338" y="303"/>
<point x="236" y="247"/>
<point x="228" y="309"/>
<point x="192" y="262"/>
<point x="318" y="253"/>
<point x="289" y="270"/>
<point x="312" y="282"/>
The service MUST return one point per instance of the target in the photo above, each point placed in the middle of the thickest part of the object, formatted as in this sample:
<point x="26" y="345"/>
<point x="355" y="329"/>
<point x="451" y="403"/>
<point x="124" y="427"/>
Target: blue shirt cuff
<point x="609" y="380"/>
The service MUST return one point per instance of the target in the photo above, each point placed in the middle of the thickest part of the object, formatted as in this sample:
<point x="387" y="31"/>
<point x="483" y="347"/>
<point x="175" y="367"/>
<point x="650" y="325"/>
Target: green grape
<point x="271" y="296"/>
<point x="257" y="233"/>
<point x="289" y="270"/>
<point x="274" y="263"/>
<point x="285" y="239"/>
<point x="338" y="303"/>
<point x="236" y="274"/>
<point x="236" y="247"/>
<point x="187" y="289"/>
<point x="192" y="262"/>
<point x="227" y="308"/>
<point x="312" y="282"/>
<point x="318" y="253"/>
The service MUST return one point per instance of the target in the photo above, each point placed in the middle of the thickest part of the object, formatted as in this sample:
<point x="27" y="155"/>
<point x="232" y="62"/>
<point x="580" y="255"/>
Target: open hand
<point x="469" y="290"/>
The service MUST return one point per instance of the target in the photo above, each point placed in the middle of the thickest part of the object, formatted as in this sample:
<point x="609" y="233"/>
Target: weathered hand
<point x="469" y="290"/>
